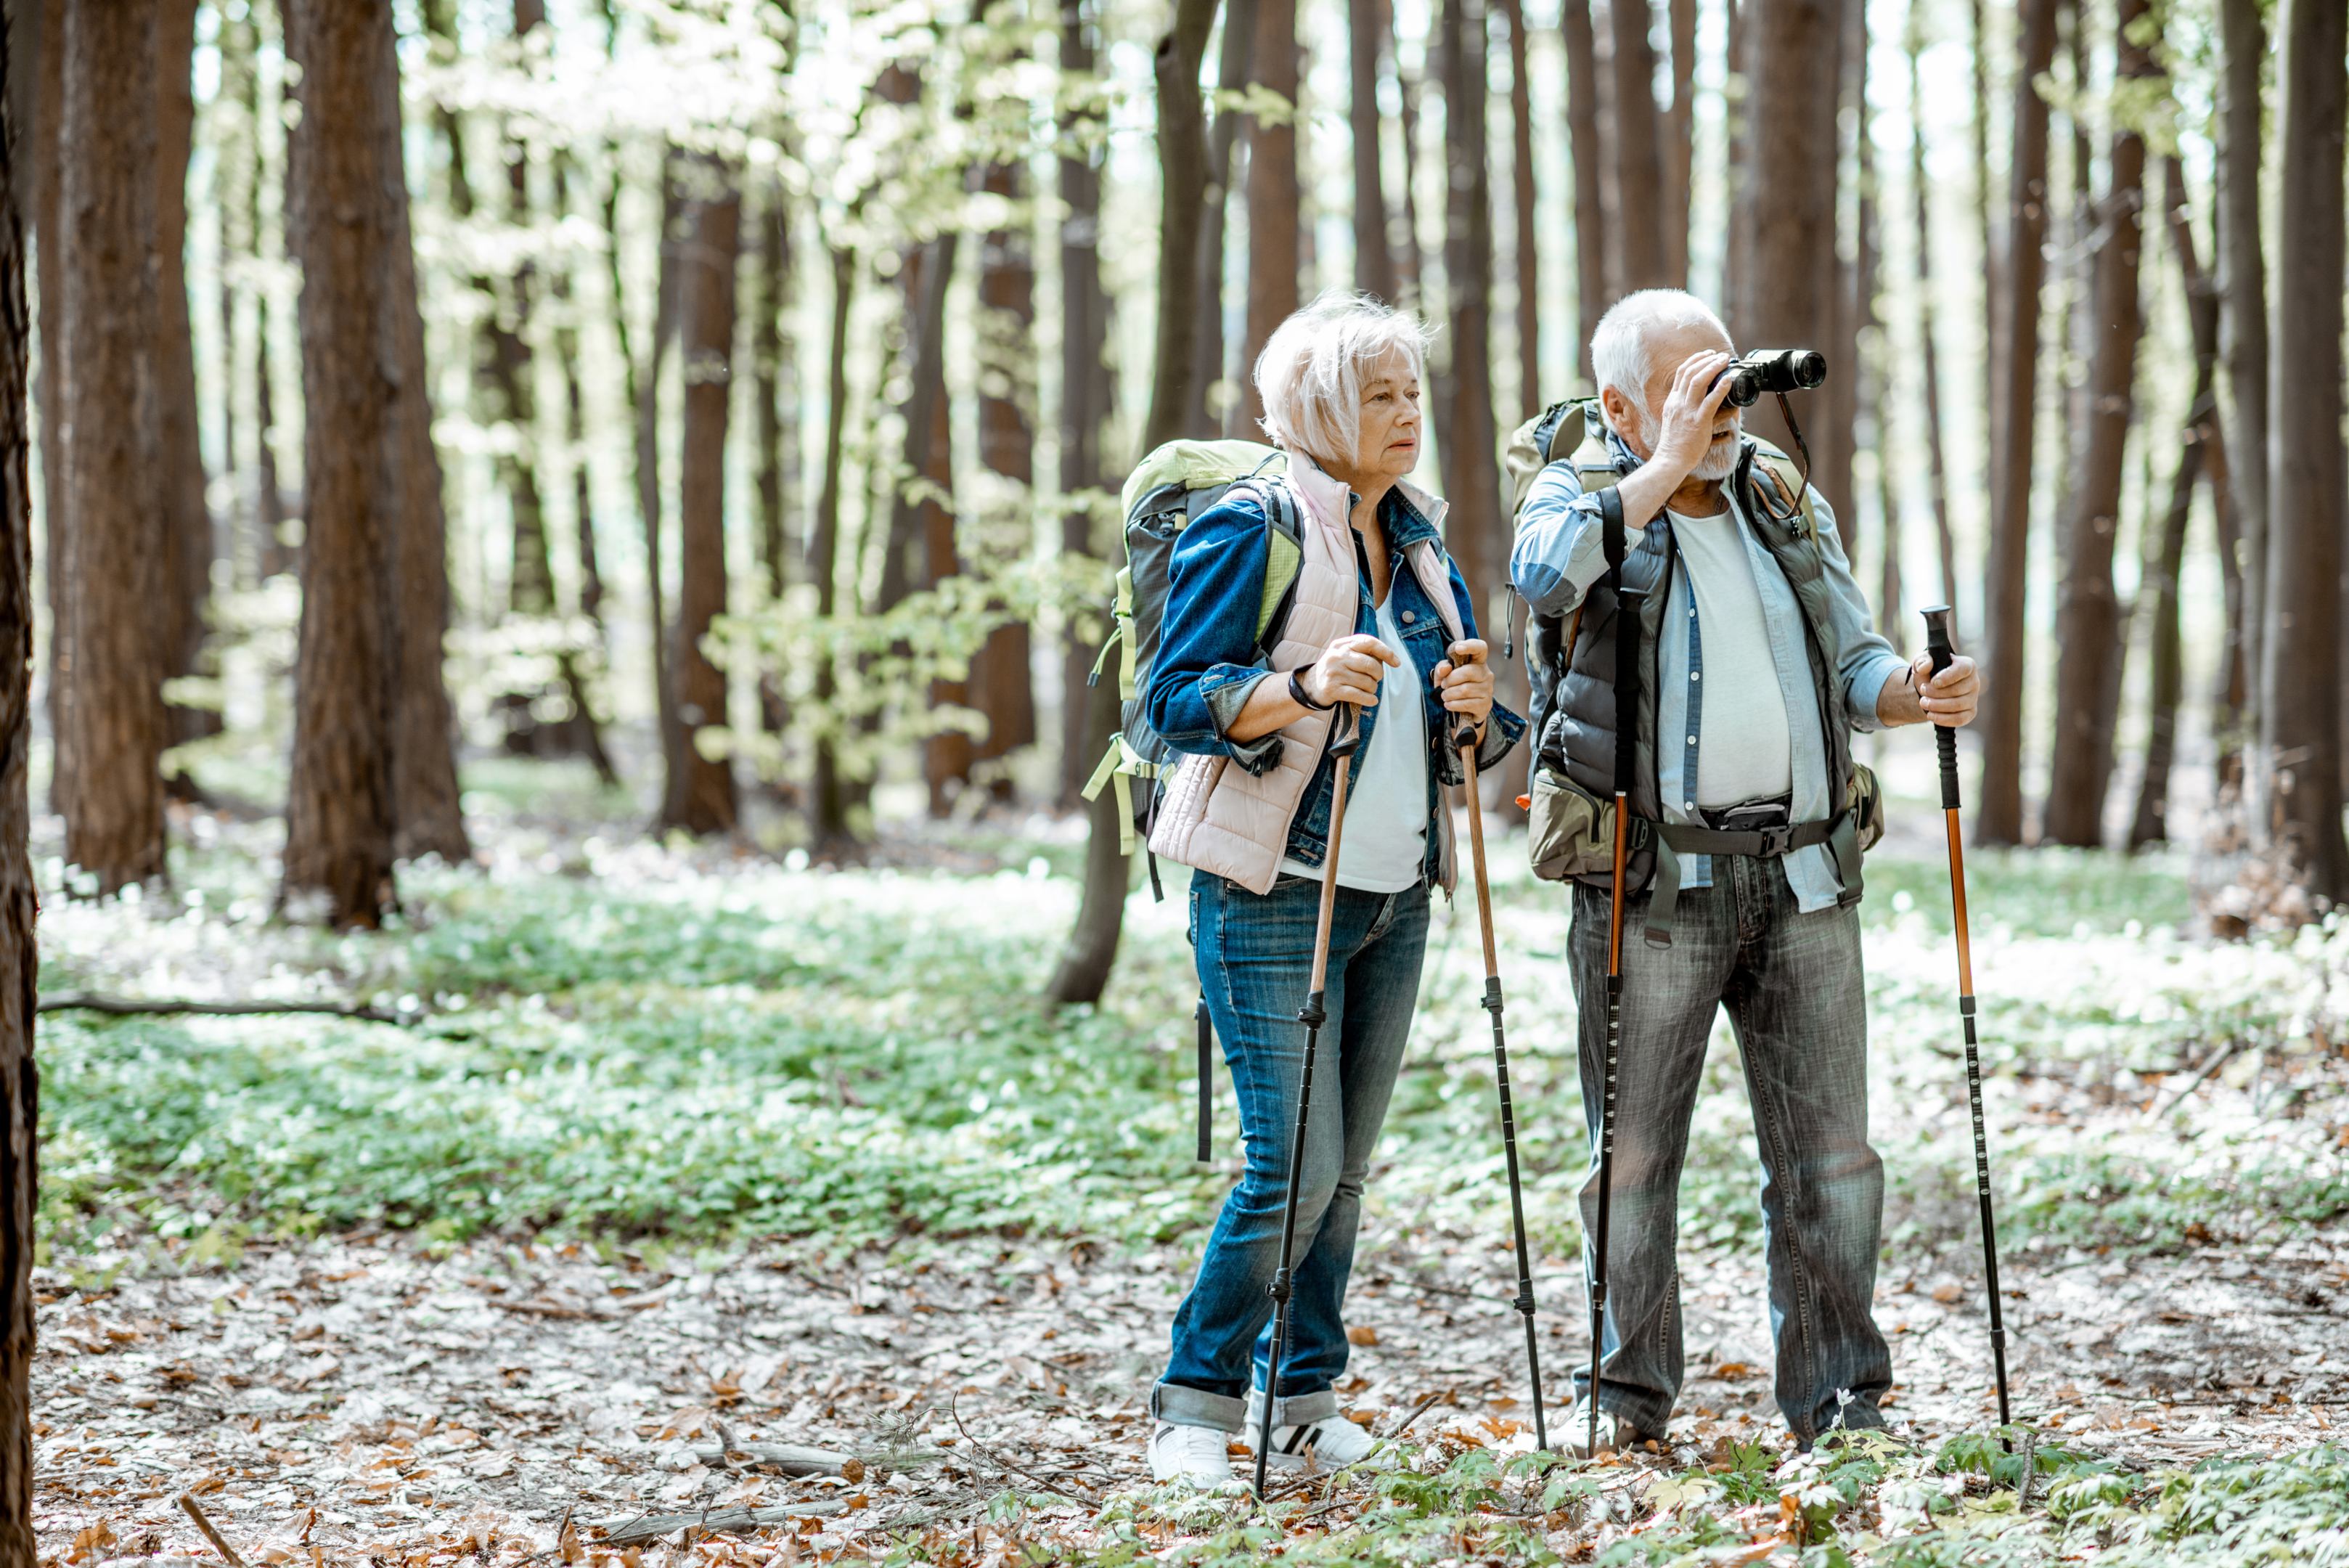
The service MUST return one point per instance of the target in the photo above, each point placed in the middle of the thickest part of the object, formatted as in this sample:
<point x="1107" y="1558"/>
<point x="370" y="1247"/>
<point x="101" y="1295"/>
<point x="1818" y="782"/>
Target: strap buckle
<point x="1775" y="841"/>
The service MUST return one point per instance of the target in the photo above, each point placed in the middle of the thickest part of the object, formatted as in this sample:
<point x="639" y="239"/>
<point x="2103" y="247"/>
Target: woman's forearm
<point x="1268" y="707"/>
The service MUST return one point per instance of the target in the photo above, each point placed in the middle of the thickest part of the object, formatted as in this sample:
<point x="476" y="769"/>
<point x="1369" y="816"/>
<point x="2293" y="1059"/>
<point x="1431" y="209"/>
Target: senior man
<point x="1749" y="691"/>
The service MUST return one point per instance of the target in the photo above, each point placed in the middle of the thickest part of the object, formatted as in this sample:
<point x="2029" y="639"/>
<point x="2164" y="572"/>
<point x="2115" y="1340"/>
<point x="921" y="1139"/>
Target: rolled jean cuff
<point x="1298" y="1409"/>
<point x="1180" y="1407"/>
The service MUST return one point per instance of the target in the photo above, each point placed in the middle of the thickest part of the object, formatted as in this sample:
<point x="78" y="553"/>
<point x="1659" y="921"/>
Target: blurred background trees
<point x="726" y="400"/>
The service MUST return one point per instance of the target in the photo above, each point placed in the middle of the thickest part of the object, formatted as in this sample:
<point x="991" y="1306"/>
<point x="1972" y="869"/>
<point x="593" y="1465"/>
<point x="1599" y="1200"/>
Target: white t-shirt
<point x="1382" y="844"/>
<point x="1746" y="749"/>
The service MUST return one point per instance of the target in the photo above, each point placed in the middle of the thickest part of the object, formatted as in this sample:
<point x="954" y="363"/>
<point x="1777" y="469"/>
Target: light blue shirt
<point x="1560" y="554"/>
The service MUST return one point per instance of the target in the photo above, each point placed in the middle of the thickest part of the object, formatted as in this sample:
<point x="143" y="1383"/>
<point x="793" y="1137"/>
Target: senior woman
<point x="1381" y="620"/>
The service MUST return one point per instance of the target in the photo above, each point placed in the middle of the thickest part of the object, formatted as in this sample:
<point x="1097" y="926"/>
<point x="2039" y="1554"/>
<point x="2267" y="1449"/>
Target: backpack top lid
<point x="1197" y="464"/>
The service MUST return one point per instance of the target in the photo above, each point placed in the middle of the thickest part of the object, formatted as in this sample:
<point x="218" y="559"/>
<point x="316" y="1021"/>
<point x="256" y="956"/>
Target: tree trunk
<point x="1582" y="136"/>
<point x="1411" y="266"/>
<point x="1463" y="401"/>
<point x="1680" y="142"/>
<point x="2166" y="557"/>
<point x="1979" y="124"/>
<point x="186" y="522"/>
<point x="1000" y="686"/>
<point x="1272" y="202"/>
<point x="701" y="791"/>
<point x="828" y="822"/>
<point x="2089" y="634"/>
<point x="1737" y="258"/>
<point x="586" y="729"/>
<point x="1833" y="433"/>
<point x="1234" y="60"/>
<point x="37" y="25"/>
<point x="1087" y="388"/>
<point x="2243" y="314"/>
<point x="768" y="362"/>
<point x="1639" y="230"/>
<point x="1374" y="269"/>
<point x="1521" y="176"/>
<point x="1876" y="350"/>
<point x="1786" y="209"/>
<point x="19" y="956"/>
<point x="1999" y="818"/>
<point x="644" y="385"/>
<point x="1920" y="190"/>
<point x="2300" y="709"/>
<point x="113" y="558"/>
<point x="1091" y="948"/>
<point x="343" y="223"/>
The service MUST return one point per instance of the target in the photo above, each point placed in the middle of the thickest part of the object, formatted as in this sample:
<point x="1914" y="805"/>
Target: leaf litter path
<point x="331" y="1400"/>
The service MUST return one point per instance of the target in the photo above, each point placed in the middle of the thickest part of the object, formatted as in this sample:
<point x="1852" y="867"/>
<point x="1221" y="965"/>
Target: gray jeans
<point x="1792" y="984"/>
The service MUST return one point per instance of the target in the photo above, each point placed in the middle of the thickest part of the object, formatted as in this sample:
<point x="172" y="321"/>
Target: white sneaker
<point x="1331" y="1443"/>
<point x="1196" y="1454"/>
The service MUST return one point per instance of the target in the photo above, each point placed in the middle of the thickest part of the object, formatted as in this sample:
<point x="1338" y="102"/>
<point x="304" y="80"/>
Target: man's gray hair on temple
<point x="1311" y="371"/>
<point x="1622" y="347"/>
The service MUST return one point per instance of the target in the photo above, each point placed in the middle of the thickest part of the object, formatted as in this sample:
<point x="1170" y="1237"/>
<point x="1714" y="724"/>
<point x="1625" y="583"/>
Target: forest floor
<point x="686" y="1152"/>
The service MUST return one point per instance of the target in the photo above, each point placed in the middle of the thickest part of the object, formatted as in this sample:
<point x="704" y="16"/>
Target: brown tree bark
<point x="1464" y="400"/>
<point x="1919" y="188"/>
<point x="1272" y="202"/>
<point x="19" y="956"/>
<point x="35" y="26"/>
<point x="769" y="357"/>
<point x="1234" y="60"/>
<point x="1637" y="232"/>
<point x="1374" y="269"/>
<point x="1000" y="685"/>
<point x="1411" y="261"/>
<point x="343" y="224"/>
<point x="109" y="320"/>
<point x="828" y="822"/>
<point x="1680" y="141"/>
<point x="1522" y="200"/>
<point x="699" y="796"/>
<point x="186" y="522"/>
<point x="2300" y="706"/>
<point x="1832" y="425"/>
<point x="1787" y="210"/>
<point x="2089" y="634"/>
<point x="2243" y="308"/>
<point x="644" y="380"/>
<point x="1582" y="137"/>
<point x="1087" y="388"/>
<point x="2165" y="554"/>
<point x="1085" y="962"/>
<point x="1999" y="818"/>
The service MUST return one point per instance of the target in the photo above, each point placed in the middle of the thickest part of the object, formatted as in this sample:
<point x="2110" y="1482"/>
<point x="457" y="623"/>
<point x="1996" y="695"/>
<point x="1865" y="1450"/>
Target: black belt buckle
<point x="1776" y="840"/>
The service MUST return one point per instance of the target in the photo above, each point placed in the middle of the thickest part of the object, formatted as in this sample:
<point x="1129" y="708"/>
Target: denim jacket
<point x="1558" y="555"/>
<point x="1208" y="662"/>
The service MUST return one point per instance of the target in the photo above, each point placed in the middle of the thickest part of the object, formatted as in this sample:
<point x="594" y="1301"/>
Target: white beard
<point x="1719" y="461"/>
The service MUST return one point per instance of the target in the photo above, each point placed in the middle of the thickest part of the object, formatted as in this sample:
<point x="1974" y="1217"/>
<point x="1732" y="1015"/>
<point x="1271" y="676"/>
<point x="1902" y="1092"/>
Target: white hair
<point x="1311" y="372"/>
<point x="1623" y="346"/>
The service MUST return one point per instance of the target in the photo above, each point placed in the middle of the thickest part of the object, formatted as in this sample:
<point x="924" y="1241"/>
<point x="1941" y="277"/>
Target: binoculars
<point x="1771" y="370"/>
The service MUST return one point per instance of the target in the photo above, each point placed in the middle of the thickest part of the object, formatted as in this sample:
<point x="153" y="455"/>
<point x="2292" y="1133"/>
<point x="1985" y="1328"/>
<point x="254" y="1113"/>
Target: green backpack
<point x="1175" y="483"/>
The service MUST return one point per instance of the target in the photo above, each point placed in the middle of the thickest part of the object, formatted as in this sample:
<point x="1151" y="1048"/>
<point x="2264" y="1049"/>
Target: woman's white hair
<point x="1311" y="371"/>
<point x="1623" y="346"/>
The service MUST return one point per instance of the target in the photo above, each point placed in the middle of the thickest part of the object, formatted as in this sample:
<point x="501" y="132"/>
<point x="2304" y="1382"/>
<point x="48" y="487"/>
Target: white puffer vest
<point x="1223" y="819"/>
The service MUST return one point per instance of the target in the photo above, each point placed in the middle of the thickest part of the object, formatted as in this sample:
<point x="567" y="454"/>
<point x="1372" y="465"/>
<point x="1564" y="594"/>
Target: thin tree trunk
<point x="1680" y="142"/>
<point x="1374" y="269"/>
<point x="2243" y="319"/>
<point x="1086" y="385"/>
<point x="701" y="791"/>
<point x="827" y="795"/>
<point x="1272" y="203"/>
<point x="186" y="522"/>
<point x="1234" y="60"/>
<point x="1876" y="350"/>
<point x="1639" y="230"/>
<point x="39" y="26"/>
<point x="114" y="729"/>
<point x="645" y="388"/>
<point x="2090" y="638"/>
<point x="19" y="956"/>
<point x="1000" y="686"/>
<point x="1999" y="818"/>
<point x="1412" y="266"/>
<point x="1834" y="435"/>
<point x="586" y="728"/>
<point x="1463" y="401"/>
<point x="1092" y="949"/>
<point x="1920" y="190"/>
<point x="1582" y="137"/>
<point x="1523" y="196"/>
<point x="1978" y="125"/>
<point x="343" y="224"/>
<point x="2300" y="710"/>
<point x="767" y="365"/>
<point x="1737" y="259"/>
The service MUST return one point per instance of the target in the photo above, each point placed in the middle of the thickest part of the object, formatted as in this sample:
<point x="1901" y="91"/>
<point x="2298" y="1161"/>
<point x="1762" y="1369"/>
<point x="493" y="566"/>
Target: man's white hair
<point x="1624" y="346"/>
<point x="1311" y="371"/>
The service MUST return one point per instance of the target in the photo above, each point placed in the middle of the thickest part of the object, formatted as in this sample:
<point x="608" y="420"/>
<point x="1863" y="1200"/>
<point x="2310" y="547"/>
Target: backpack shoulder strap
<point x="1285" y="550"/>
<point x="1786" y="480"/>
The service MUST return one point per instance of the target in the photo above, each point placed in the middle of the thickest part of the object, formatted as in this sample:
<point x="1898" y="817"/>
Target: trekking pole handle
<point x="1345" y="732"/>
<point x="1945" y="740"/>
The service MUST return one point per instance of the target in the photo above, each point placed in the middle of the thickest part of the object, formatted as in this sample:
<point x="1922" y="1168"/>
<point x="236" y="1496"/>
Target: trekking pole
<point x="1626" y="686"/>
<point x="1945" y="740"/>
<point x="1345" y="737"/>
<point x="1464" y="739"/>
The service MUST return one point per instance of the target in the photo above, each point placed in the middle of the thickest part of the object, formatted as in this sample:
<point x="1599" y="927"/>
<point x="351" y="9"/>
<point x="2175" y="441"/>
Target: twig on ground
<point x="2200" y="1078"/>
<point x="1414" y="1416"/>
<point x="219" y="1542"/>
<point x="1005" y="1465"/>
<point x="126" y="1007"/>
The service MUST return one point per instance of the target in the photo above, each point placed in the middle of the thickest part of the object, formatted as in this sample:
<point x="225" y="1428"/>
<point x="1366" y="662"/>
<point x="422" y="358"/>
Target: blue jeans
<point x="1255" y="955"/>
<point x="1792" y="984"/>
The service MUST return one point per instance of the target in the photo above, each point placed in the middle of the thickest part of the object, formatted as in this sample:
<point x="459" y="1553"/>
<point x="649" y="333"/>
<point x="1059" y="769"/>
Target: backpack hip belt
<point x="1671" y="840"/>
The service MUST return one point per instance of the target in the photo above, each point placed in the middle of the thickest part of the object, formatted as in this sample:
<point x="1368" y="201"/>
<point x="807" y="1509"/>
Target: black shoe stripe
<point x="1297" y="1436"/>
